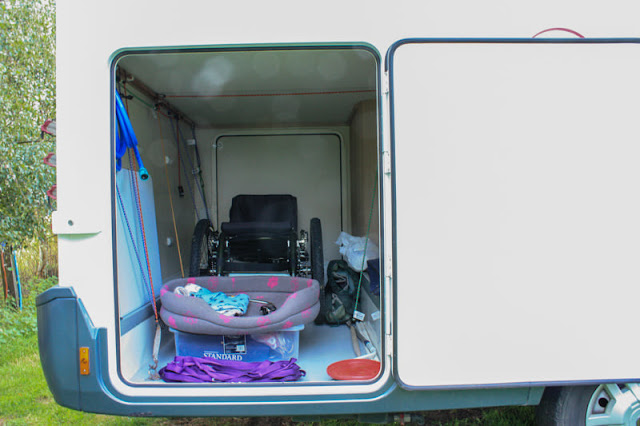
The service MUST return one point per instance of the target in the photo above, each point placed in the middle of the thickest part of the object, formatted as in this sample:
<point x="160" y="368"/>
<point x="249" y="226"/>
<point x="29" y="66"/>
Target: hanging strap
<point x="153" y="367"/>
<point x="202" y="192"/>
<point x="194" y="171"/>
<point x="173" y="215"/>
<point x="177" y="136"/>
<point x="359" y="316"/>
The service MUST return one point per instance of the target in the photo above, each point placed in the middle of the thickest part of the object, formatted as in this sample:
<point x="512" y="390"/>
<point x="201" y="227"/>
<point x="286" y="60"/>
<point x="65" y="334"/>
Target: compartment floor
<point x="322" y="345"/>
<point x="319" y="346"/>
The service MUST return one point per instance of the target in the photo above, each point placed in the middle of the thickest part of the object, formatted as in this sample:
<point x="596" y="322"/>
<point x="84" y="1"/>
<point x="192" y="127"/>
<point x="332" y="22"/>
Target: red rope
<point x="146" y="251"/>
<point x="144" y="234"/>
<point x="575" y="33"/>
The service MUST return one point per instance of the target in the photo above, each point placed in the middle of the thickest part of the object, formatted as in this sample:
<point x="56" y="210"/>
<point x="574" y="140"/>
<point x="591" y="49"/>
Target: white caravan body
<point x="506" y="180"/>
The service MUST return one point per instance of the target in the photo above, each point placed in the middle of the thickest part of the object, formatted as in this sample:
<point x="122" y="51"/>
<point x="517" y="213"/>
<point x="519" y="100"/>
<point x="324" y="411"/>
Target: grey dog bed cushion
<point x="296" y="300"/>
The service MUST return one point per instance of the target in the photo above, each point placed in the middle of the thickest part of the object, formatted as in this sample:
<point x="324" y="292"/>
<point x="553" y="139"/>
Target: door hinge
<point x="388" y="326"/>
<point x="385" y="83"/>
<point x="386" y="163"/>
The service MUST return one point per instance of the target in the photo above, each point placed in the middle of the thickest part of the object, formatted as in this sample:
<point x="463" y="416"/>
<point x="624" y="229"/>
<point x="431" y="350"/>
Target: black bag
<point x="337" y="301"/>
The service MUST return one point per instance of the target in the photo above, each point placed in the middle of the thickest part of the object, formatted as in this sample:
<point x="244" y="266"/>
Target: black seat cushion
<point x="265" y="209"/>
<point x="261" y="229"/>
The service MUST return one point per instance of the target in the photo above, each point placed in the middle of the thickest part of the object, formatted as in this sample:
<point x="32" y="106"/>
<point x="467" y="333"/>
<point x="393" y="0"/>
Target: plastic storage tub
<point x="271" y="346"/>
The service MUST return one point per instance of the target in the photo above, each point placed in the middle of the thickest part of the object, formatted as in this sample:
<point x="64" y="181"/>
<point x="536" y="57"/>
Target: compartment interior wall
<point x="154" y="155"/>
<point x="363" y="165"/>
<point x="310" y="163"/>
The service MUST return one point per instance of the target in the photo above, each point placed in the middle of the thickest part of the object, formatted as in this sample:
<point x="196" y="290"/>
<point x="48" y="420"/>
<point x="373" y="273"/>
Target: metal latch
<point x="62" y="224"/>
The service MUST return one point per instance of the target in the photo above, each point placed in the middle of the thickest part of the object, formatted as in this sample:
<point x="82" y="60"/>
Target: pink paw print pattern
<point x="273" y="282"/>
<point x="263" y="322"/>
<point x="306" y="313"/>
<point x="225" y="318"/>
<point x="309" y="283"/>
<point x="164" y="290"/>
<point x="287" y="324"/>
<point x="291" y="297"/>
<point x="190" y="320"/>
<point x="172" y="322"/>
<point x="191" y="280"/>
<point x="233" y="283"/>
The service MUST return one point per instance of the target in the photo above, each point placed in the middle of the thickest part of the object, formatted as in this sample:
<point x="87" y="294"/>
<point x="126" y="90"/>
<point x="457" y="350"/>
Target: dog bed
<point x="295" y="299"/>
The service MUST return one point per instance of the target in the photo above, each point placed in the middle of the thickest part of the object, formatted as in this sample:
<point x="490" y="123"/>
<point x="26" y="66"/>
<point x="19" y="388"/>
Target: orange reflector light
<point x="84" y="361"/>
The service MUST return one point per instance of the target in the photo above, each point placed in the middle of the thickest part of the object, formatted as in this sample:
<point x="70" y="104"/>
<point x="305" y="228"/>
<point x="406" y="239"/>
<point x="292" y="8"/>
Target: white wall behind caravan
<point x="89" y="33"/>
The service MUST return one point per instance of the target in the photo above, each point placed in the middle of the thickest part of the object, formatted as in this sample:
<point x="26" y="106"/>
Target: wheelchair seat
<point x="262" y="214"/>
<point x="261" y="234"/>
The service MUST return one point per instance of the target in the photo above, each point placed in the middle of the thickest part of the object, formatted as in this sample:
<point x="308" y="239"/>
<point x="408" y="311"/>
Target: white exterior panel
<point x="89" y="34"/>
<point x="518" y="216"/>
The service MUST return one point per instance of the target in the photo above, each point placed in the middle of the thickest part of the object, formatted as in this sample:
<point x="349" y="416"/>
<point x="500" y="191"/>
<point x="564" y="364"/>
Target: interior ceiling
<point x="260" y="88"/>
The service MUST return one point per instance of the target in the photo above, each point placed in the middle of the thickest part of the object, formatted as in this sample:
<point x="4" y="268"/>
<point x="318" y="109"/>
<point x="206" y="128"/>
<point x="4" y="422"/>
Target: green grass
<point x="25" y="398"/>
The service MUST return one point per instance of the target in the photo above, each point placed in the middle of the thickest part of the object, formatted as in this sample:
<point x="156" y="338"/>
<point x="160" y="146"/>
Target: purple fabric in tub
<point x="296" y="300"/>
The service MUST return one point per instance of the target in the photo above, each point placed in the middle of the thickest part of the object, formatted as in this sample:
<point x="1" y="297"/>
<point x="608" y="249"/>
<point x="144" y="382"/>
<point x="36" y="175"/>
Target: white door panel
<point x="517" y="172"/>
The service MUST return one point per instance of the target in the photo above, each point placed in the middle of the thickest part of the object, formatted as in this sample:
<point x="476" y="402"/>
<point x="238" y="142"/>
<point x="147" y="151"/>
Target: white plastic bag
<point x="352" y="249"/>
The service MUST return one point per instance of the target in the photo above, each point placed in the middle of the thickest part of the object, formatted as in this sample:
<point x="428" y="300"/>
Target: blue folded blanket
<point x="225" y="304"/>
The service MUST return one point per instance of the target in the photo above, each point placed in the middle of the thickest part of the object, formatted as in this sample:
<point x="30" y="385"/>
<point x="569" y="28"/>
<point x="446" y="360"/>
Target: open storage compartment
<point x="300" y="123"/>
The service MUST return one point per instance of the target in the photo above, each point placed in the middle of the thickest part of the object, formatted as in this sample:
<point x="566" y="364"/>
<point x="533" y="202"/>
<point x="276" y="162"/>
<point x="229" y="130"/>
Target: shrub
<point x="15" y="323"/>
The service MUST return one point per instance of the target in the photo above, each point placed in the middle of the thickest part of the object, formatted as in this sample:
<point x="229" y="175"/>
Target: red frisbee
<point x="354" y="369"/>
